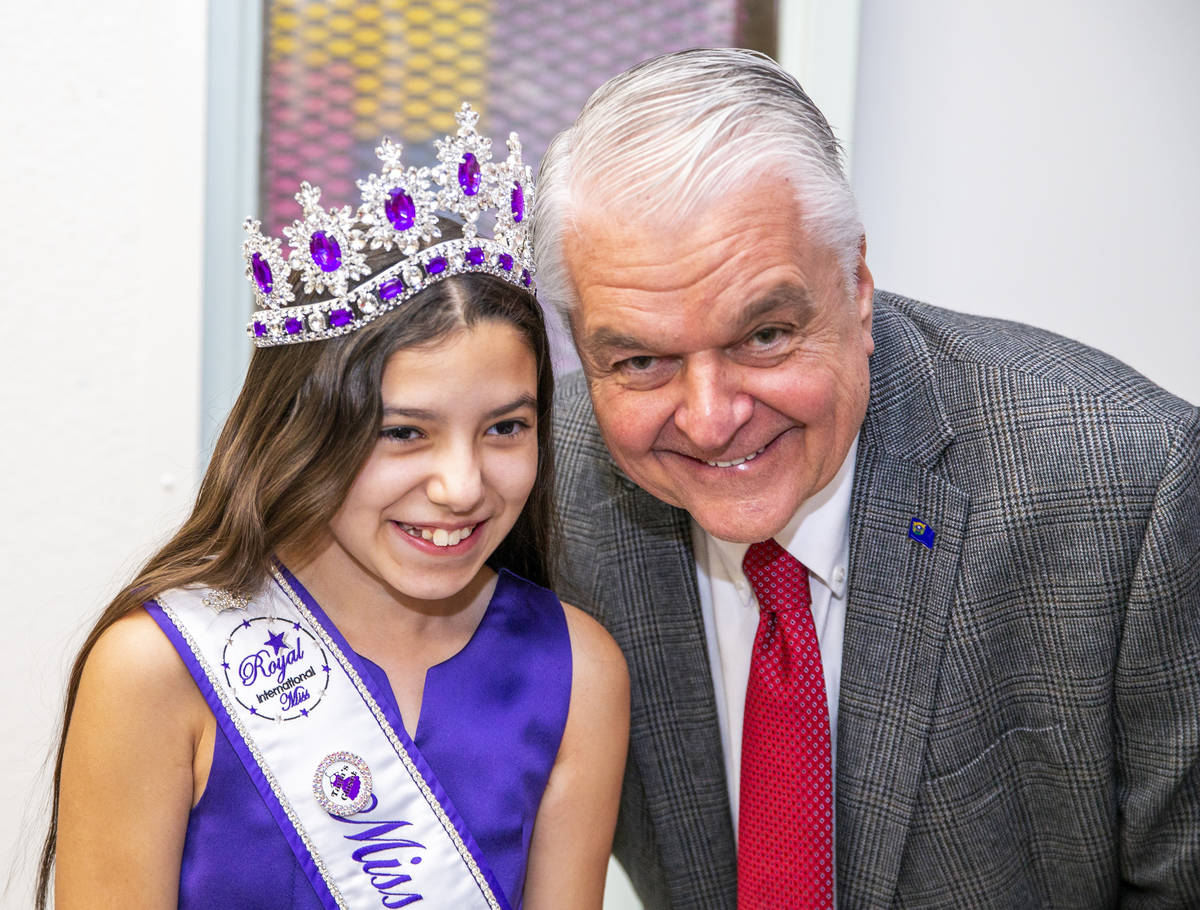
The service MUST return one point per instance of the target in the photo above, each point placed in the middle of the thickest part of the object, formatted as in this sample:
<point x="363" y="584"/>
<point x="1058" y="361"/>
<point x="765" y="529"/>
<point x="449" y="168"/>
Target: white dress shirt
<point x="819" y="536"/>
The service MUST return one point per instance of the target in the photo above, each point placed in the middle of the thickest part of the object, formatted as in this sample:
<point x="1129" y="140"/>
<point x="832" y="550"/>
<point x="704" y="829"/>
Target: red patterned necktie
<point x="785" y="819"/>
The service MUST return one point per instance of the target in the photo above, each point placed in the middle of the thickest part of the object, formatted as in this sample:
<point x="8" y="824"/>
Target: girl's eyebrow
<point x="522" y="401"/>
<point x="412" y="413"/>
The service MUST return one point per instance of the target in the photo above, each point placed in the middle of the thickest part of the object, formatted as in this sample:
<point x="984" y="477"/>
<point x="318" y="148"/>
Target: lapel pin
<point x="921" y="532"/>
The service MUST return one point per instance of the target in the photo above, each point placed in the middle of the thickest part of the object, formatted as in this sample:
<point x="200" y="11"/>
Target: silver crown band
<point x="400" y="209"/>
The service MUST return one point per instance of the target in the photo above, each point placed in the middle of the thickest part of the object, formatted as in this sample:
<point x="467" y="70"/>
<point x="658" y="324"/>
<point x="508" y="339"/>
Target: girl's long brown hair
<point x="303" y="425"/>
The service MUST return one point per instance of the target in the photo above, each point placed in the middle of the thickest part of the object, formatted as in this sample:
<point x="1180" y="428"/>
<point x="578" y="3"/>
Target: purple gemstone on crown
<point x="393" y="287"/>
<point x="325" y="251"/>
<point x="292" y="326"/>
<point x="470" y="175"/>
<point x="400" y="210"/>
<point x="475" y="255"/>
<point x="262" y="273"/>
<point x="505" y="261"/>
<point x="259" y="330"/>
<point x="339" y="318"/>
<point x="436" y="265"/>
<point x="518" y="203"/>
<point x="526" y="278"/>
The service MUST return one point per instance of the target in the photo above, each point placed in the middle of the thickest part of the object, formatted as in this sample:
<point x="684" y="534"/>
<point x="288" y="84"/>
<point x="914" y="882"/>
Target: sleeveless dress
<point x="492" y="717"/>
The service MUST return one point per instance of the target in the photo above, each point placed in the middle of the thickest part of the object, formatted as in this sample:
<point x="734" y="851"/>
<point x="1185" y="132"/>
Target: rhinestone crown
<point x="400" y="208"/>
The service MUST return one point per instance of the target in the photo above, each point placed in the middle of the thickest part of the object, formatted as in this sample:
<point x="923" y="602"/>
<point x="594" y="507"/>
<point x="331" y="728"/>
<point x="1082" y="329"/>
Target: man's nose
<point x="714" y="406"/>
<point x="457" y="480"/>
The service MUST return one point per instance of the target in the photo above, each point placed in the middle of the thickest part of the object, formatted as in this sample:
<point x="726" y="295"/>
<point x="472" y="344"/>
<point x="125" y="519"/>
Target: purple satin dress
<point x="492" y="718"/>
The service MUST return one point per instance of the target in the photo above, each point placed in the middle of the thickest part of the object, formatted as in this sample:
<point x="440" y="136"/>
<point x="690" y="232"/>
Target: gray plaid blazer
<point x="1019" y="724"/>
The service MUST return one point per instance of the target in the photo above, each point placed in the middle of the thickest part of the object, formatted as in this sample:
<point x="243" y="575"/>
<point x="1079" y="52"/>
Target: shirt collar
<point x="816" y="534"/>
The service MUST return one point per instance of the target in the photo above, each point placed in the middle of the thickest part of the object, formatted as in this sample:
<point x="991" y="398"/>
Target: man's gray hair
<point x="674" y="134"/>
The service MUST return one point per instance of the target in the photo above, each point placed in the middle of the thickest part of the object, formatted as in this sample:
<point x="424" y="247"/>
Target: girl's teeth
<point x="439" y="537"/>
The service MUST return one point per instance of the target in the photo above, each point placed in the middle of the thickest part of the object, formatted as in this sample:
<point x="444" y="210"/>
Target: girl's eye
<point x="508" y="427"/>
<point x="400" y="434"/>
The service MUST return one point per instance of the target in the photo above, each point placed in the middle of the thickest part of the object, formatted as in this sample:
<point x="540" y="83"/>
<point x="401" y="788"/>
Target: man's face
<point x="726" y="359"/>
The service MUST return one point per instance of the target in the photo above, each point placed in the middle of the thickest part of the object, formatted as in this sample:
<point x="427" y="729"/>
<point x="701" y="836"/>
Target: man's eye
<point x="644" y="371"/>
<point x="767" y="336"/>
<point x="639" y="364"/>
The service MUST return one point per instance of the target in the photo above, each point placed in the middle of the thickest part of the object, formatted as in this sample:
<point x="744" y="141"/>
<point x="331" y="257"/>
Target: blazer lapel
<point x="649" y="571"/>
<point x="900" y="593"/>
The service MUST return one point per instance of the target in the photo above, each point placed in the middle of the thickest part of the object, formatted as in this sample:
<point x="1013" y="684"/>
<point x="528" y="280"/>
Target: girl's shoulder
<point x="596" y="657"/>
<point x="133" y="653"/>
<point x="133" y="671"/>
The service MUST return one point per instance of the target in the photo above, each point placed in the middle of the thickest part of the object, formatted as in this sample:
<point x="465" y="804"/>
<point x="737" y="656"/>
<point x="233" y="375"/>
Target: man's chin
<point x="738" y="516"/>
<point x="734" y="523"/>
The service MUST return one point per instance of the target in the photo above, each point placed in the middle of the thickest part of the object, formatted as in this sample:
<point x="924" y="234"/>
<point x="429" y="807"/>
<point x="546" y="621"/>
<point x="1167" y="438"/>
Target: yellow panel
<point x="476" y="43"/>
<point x="473" y="90"/>
<point x="364" y="107"/>
<point x="418" y="84"/>
<point x="369" y="61"/>
<point x="367" y="35"/>
<point x="393" y="24"/>
<point x="418" y="108"/>
<point x="391" y="72"/>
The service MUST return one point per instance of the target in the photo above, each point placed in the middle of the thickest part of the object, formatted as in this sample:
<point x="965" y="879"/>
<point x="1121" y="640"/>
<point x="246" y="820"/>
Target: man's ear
<point x="864" y="294"/>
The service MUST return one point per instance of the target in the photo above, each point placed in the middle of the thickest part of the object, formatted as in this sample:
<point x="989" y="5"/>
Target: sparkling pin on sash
<point x="342" y="784"/>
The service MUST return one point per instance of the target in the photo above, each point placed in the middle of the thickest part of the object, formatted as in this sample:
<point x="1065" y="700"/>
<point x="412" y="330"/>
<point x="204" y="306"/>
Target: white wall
<point x="1037" y="160"/>
<point x="102" y="182"/>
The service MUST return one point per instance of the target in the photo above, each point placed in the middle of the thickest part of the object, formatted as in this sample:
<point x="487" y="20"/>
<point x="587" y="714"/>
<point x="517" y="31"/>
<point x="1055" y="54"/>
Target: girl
<point x="341" y="683"/>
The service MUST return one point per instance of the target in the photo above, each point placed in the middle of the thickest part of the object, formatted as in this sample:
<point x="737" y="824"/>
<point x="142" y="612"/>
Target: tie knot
<point x="780" y="581"/>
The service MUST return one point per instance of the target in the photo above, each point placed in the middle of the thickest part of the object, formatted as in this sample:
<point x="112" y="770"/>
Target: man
<point x="990" y="534"/>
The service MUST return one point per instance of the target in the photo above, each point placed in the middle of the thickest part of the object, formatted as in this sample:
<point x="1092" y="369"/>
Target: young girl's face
<point x="454" y="462"/>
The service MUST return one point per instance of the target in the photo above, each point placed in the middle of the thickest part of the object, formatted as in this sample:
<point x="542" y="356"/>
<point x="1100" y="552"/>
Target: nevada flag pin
<point x="921" y="532"/>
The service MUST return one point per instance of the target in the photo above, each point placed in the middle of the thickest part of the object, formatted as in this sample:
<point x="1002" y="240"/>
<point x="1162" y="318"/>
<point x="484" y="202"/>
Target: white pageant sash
<point x="364" y="814"/>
